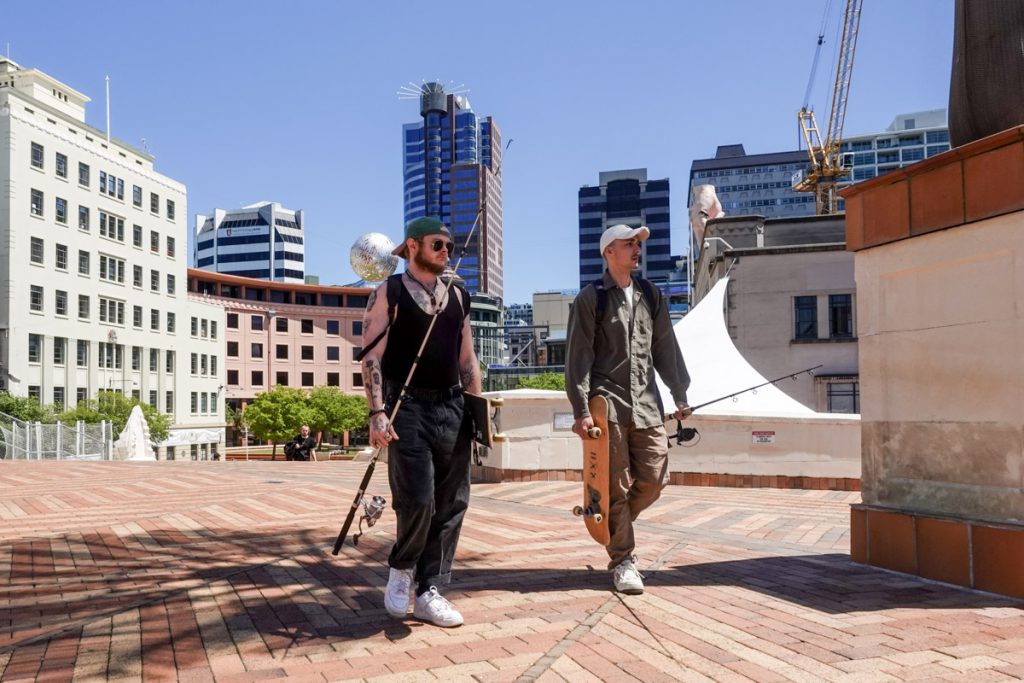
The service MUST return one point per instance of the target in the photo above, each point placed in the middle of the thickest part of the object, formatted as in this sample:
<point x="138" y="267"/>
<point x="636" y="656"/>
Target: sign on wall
<point x="762" y="437"/>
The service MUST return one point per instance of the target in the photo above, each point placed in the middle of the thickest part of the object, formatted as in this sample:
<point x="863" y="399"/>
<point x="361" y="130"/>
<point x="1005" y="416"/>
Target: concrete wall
<point x="538" y="424"/>
<point x="941" y="330"/>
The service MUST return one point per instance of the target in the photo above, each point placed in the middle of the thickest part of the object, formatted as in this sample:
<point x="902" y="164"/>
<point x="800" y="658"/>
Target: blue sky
<point x="296" y="102"/>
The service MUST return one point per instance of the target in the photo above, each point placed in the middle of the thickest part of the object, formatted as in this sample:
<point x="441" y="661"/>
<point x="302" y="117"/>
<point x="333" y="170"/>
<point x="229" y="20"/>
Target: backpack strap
<point x="394" y="290"/>
<point x="602" y="296"/>
<point x="648" y="289"/>
<point x="602" y="301"/>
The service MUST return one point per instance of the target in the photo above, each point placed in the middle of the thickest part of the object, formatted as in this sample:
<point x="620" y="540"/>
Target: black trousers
<point x="428" y="469"/>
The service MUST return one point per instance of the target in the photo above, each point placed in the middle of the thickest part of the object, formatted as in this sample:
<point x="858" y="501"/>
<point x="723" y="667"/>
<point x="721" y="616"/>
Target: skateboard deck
<point x="596" y="478"/>
<point x="486" y="424"/>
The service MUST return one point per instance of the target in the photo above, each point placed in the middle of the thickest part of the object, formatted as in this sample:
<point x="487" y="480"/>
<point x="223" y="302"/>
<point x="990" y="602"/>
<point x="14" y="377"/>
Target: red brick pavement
<point x="222" y="571"/>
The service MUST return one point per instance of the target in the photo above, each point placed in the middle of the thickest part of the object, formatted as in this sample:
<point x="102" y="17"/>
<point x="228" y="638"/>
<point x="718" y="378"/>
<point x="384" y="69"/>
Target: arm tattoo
<point x="469" y="374"/>
<point x="374" y="383"/>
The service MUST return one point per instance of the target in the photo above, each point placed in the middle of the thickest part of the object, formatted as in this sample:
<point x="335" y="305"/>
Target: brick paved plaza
<point x="222" y="571"/>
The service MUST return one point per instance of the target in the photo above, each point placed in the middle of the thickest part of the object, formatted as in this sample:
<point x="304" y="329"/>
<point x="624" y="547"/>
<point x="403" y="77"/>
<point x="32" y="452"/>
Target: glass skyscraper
<point x="452" y="171"/>
<point x="626" y="197"/>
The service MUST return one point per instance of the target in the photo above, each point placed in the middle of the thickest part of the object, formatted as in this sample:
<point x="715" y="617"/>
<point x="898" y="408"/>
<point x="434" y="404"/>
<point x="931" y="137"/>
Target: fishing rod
<point x="375" y="508"/>
<point x="687" y="434"/>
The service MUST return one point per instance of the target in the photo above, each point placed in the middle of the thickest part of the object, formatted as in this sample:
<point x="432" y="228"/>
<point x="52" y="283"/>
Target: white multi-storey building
<point x="263" y="241"/>
<point x="93" y="291"/>
<point x="908" y="139"/>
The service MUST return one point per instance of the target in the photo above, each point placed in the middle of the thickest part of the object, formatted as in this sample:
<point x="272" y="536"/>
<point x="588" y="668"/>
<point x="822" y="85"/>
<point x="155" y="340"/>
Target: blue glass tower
<point x="452" y="171"/>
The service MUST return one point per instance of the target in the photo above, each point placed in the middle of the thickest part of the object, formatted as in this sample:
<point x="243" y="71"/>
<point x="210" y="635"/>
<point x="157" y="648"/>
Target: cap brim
<point x="401" y="250"/>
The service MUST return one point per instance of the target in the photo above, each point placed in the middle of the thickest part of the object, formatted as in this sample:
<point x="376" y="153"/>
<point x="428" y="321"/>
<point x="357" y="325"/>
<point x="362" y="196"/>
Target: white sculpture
<point x="703" y="207"/>
<point x="134" y="441"/>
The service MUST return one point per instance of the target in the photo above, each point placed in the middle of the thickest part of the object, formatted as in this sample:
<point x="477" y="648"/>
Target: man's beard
<point x="427" y="264"/>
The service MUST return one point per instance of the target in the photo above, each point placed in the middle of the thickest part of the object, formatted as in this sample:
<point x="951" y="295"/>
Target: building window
<point x="37" y="203"/>
<point x="154" y="280"/>
<point x="334" y="353"/>
<point x="34" y="392"/>
<point x="194" y="329"/>
<point x="333" y="328"/>
<point x="136" y="195"/>
<point x="137" y="276"/>
<point x="154" y="362"/>
<point x="154" y="203"/>
<point x="58" y="397"/>
<point x="62" y="165"/>
<point x="256" y="323"/>
<point x="61" y="257"/>
<point x="35" y="348"/>
<point x="137" y="236"/>
<point x="357" y="328"/>
<point x="171" y="284"/>
<point x="307" y="353"/>
<point x="111" y="227"/>
<point x="82" y="354"/>
<point x="37" y="155"/>
<point x="81" y="394"/>
<point x="281" y="351"/>
<point x="83" y="306"/>
<point x="805" y="310"/>
<point x="203" y="403"/>
<point x="83" y="262"/>
<point x="333" y="379"/>
<point x="61" y="210"/>
<point x="35" y="298"/>
<point x="111" y="311"/>
<point x="202" y="328"/>
<point x="356" y="350"/>
<point x="36" y="250"/>
<point x="213" y="365"/>
<point x="169" y="408"/>
<point x="232" y="378"/>
<point x="843" y="397"/>
<point x="281" y="379"/>
<point x="154" y="241"/>
<point x="111" y="269"/>
<point x="231" y="321"/>
<point x="256" y="350"/>
<point x="194" y="364"/>
<point x="83" y="218"/>
<point x="137" y="316"/>
<point x="282" y="324"/>
<point x="60" y="302"/>
<point x="257" y="378"/>
<point x="154" y="319"/>
<point x="170" y="322"/>
<point x="193" y="403"/>
<point x="213" y="329"/>
<point x="170" y="246"/>
<point x="60" y="350"/>
<point x="357" y="379"/>
<point x="307" y="326"/>
<point x="202" y="364"/>
<point x="232" y="349"/>
<point x="307" y="379"/>
<point x="83" y="174"/>
<point x="170" y="209"/>
<point x="840" y="316"/>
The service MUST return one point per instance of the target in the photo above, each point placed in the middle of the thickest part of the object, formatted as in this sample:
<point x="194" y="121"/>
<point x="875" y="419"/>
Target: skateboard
<point x="596" y="478"/>
<point x="486" y="424"/>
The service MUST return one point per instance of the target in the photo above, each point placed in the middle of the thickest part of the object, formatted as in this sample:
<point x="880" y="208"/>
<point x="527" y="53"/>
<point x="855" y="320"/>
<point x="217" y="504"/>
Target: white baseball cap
<point x="623" y="232"/>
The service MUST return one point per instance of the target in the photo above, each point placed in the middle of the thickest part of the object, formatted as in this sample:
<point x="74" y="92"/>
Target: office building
<point x="452" y="171"/>
<point x="92" y="268"/>
<point x="626" y="197"/>
<point x="263" y="240"/>
<point x="908" y="139"/>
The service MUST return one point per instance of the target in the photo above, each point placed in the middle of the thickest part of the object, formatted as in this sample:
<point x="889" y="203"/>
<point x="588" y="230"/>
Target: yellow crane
<point x="826" y="167"/>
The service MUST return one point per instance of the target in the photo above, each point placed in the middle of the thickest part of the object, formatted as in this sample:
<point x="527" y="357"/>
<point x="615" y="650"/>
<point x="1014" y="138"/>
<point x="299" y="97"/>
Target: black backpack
<point x="394" y="290"/>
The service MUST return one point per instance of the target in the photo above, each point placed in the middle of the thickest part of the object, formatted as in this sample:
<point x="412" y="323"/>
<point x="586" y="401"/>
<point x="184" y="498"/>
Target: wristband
<point x="377" y="412"/>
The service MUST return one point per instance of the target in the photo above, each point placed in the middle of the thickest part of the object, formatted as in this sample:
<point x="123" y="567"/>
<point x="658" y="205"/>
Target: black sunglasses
<point x="438" y="245"/>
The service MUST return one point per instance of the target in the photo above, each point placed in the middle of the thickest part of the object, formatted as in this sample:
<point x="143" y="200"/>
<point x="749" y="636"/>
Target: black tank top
<point x="439" y="366"/>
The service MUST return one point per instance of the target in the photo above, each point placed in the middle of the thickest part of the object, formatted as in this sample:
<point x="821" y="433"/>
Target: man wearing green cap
<point x="429" y="454"/>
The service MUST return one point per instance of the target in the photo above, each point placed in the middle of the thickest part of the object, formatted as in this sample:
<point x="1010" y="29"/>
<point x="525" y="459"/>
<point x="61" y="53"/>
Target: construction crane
<point x="826" y="167"/>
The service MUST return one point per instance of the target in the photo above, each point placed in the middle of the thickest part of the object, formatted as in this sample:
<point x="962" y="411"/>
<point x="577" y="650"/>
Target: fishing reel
<point x="688" y="437"/>
<point x="372" y="511"/>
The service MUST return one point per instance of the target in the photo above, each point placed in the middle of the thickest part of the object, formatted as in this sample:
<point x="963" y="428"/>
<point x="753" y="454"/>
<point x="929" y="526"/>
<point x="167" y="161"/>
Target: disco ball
<point x="371" y="257"/>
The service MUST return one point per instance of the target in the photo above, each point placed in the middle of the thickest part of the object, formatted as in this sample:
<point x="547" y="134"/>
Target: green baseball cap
<point x="421" y="227"/>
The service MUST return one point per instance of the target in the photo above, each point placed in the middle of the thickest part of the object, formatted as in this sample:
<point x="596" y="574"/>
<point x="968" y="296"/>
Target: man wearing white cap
<point x="619" y="334"/>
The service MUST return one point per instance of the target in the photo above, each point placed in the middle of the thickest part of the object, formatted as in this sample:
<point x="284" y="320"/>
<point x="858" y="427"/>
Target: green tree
<point x="116" y="407"/>
<point x="24" y="408"/>
<point x="277" y="415"/>
<point x="545" y="380"/>
<point x="331" y="410"/>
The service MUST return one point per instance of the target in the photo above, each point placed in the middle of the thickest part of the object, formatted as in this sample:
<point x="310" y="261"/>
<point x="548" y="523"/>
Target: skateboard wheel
<point x="578" y="511"/>
<point x="499" y="437"/>
<point x="598" y="517"/>
<point x="497" y="402"/>
<point x="594" y="432"/>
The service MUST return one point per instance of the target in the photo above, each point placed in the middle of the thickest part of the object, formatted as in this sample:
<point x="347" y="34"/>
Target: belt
<point x="393" y="389"/>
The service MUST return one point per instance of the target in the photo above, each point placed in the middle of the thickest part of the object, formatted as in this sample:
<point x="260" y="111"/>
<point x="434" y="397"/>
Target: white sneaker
<point x="432" y="607"/>
<point x="396" y="595"/>
<point x="628" y="579"/>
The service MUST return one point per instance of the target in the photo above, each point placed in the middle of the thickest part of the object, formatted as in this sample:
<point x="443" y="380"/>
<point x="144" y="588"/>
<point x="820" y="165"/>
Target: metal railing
<point x="20" y="440"/>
